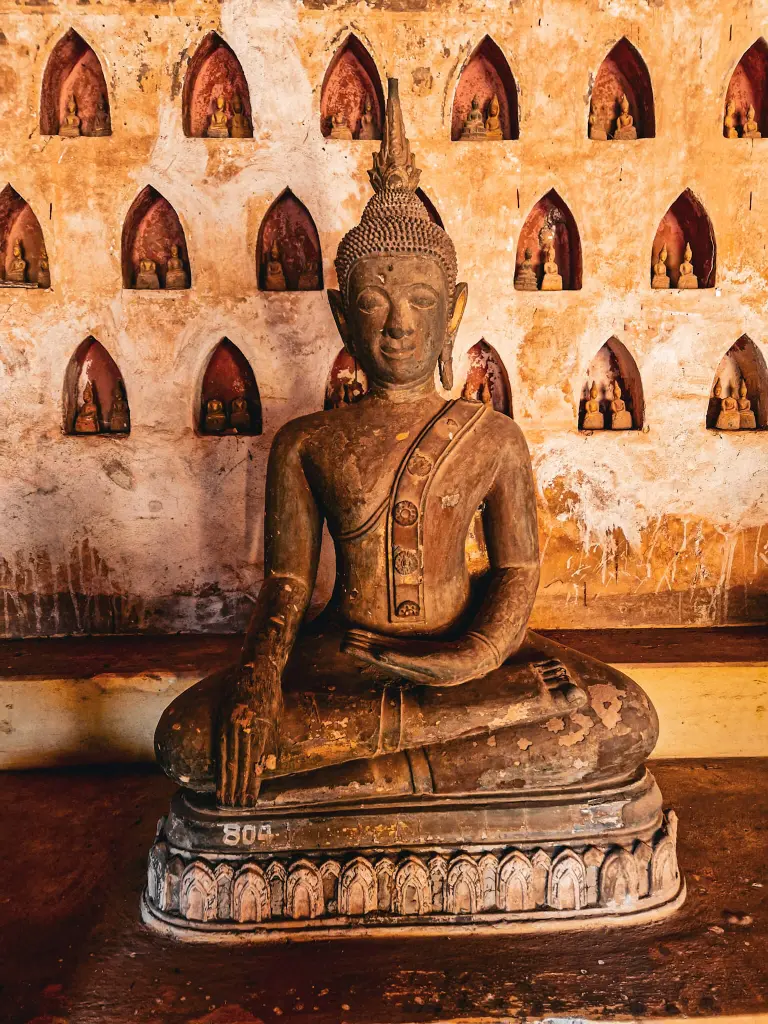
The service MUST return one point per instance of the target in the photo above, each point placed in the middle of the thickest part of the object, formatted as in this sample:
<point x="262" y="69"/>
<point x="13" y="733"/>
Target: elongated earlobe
<point x="336" y="301"/>
<point x="445" y="359"/>
<point x="445" y="365"/>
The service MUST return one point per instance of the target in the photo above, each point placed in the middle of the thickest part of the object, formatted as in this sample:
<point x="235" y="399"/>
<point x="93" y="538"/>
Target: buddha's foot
<point x="502" y="862"/>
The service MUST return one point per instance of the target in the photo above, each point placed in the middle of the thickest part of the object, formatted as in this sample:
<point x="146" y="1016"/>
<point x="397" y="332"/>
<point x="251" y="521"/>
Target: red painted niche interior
<point x="94" y="393"/>
<point x="73" y="71"/>
<point x="229" y="399"/>
<point x="614" y="364"/>
<point x="151" y="229"/>
<point x="551" y="220"/>
<point x="624" y="71"/>
<point x="214" y="72"/>
<point x="288" y="248"/>
<point x="19" y="224"/>
<point x="686" y="221"/>
<point x="485" y="75"/>
<point x="351" y="84"/>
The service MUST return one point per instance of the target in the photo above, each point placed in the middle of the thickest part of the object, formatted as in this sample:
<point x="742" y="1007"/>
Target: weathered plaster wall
<point x="162" y="529"/>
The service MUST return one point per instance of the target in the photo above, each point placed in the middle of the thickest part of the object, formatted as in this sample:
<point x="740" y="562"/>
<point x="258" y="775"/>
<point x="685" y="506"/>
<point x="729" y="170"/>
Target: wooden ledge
<point x="81" y="700"/>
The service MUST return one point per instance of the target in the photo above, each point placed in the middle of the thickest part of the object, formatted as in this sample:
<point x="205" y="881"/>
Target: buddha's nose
<point x="396" y="332"/>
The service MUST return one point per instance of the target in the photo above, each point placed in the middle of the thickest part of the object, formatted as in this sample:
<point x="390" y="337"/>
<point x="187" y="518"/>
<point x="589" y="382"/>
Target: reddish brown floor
<point x="73" y="846"/>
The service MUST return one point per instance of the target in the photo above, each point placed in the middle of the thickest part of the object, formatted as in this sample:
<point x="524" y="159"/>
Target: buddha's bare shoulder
<point x="501" y="431"/>
<point x="314" y="426"/>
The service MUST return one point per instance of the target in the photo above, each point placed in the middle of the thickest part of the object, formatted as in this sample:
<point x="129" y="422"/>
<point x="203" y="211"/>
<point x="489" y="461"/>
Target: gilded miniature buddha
<point x="146" y="276"/>
<point x="43" y="269"/>
<point x="751" y="130"/>
<point x="660" y="276"/>
<point x="240" y="415"/>
<point x="687" y="278"/>
<point x="417" y="708"/>
<point x="525" y="278"/>
<point x="119" y="416"/>
<point x="729" y="417"/>
<point x="552" y="281"/>
<point x="493" y="130"/>
<point x="70" y="126"/>
<point x="367" y="123"/>
<point x="593" y="418"/>
<point x="625" y="123"/>
<point x="217" y="125"/>
<point x="17" y="270"/>
<point x="729" y="121"/>
<point x="214" y="417"/>
<point x="175" y="274"/>
<point x="339" y="127"/>
<point x="746" y="414"/>
<point x="474" y="125"/>
<point x="101" y="125"/>
<point x="87" y="418"/>
<point x="621" y="418"/>
<point x="596" y="132"/>
<point x="275" y="275"/>
<point x="241" y="125"/>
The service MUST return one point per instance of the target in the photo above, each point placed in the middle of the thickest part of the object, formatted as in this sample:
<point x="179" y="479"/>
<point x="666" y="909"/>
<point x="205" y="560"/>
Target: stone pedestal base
<point x="496" y="862"/>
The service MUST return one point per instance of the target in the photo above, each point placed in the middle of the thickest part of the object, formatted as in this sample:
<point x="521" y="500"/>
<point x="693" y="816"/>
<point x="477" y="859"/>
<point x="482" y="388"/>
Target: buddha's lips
<point x="397" y="353"/>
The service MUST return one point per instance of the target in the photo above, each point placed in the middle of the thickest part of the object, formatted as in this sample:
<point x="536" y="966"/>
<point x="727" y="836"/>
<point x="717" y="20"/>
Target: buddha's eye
<point x="422" y="298"/>
<point x="371" y="301"/>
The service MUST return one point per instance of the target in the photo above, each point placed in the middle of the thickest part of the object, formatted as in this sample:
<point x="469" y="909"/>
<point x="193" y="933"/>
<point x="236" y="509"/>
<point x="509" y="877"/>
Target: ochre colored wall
<point x="162" y="529"/>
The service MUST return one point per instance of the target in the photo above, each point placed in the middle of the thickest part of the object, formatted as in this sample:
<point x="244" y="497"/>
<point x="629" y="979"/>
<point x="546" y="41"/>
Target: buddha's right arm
<point x="292" y="537"/>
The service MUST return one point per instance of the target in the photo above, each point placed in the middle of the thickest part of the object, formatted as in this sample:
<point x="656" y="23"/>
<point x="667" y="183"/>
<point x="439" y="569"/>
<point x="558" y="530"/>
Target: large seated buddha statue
<point x="415" y="751"/>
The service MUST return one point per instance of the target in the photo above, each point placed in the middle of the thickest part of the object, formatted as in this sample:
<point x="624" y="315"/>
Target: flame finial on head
<point x="394" y="165"/>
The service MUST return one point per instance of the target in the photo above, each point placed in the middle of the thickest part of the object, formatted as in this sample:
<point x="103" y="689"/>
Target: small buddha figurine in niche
<point x="17" y="271"/>
<point x="175" y="274"/>
<point x="687" y="278"/>
<point x="474" y="126"/>
<point x="421" y="687"/>
<point x="552" y="281"/>
<point x="596" y="133"/>
<point x="70" y="126"/>
<point x="215" y="418"/>
<point x="729" y="417"/>
<point x="746" y="415"/>
<point x="275" y="276"/>
<point x="147" y="278"/>
<point x="729" y="121"/>
<point x="309" y="278"/>
<point x="525" y="278"/>
<point x="339" y="127"/>
<point x="101" y="125"/>
<point x="119" y="416"/>
<point x="625" y="123"/>
<point x="87" y="419"/>
<point x="593" y="418"/>
<point x="43" y="270"/>
<point x="240" y="415"/>
<point x="217" y="127"/>
<point x="751" y="130"/>
<point x="241" y="126"/>
<point x="493" y="121"/>
<point x="660" y="275"/>
<point x="621" y="417"/>
<point x="367" y="125"/>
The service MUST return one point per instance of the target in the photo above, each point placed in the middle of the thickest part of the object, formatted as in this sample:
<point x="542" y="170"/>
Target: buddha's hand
<point x="430" y="662"/>
<point x="249" y="719"/>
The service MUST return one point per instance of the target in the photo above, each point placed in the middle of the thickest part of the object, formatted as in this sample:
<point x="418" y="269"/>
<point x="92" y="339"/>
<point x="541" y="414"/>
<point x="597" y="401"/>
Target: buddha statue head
<point x="398" y="305"/>
<point x="717" y="390"/>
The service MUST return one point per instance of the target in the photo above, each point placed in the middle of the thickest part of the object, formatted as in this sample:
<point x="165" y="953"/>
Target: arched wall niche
<point x="430" y="207"/>
<point x="551" y="220"/>
<point x="487" y="373"/>
<point x="623" y="71"/>
<point x="614" y="364"/>
<point x="743" y="361"/>
<point x="299" y="265"/>
<point x="150" y="231"/>
<point x="18" y="223"/>
<point x="686" y="221"/>
<point x="74" y="70"/>
<point x="229" y="395"/>
<point x="352" y="78"/>
<point x="485" y="75"/>
<point x="214" y="71"/>
<point x="95" y="399"/>
<point x="347" y="381"/>
<point x="749" y="87"/>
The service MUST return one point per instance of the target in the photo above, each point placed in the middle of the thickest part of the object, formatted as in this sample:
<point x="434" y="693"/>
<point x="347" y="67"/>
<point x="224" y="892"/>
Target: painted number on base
<point x="246" y="835"/>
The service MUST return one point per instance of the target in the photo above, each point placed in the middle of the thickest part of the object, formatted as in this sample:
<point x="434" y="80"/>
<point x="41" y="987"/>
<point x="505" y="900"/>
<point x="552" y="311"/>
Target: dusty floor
<point x="74" y="845"/>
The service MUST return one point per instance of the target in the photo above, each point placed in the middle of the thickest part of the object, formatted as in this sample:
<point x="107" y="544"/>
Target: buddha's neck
<point x="404" y="393"/>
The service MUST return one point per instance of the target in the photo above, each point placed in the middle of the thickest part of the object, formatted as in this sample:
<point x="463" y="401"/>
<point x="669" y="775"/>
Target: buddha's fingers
<point x="244" y="768"/>
<point x="221" y="781"/>
<point x="232" y="764"/>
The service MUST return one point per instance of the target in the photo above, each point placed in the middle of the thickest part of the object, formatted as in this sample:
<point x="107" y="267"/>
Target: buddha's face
<point x="398" y="313"/>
